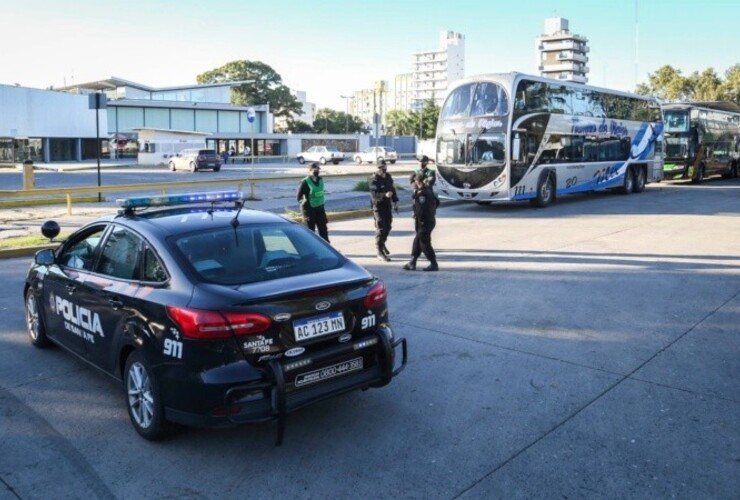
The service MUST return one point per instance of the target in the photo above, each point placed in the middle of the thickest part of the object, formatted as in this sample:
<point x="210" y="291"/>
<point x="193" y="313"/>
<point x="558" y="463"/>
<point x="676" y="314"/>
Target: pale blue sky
<point x="329" y="48"/>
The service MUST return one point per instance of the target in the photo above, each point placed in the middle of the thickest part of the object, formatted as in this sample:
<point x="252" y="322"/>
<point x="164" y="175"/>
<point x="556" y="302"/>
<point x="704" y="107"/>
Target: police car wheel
<point x="143" y="400"/>
<point x="34" y="323"/>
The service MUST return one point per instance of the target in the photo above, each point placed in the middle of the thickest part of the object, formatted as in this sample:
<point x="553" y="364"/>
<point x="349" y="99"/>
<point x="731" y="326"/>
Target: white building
<point x="561" y="55"/>
<point x="368" y="103"/>
<point x="434" y="70"/>
<point x="308" y="112"/>
<point x="401" y="93"/>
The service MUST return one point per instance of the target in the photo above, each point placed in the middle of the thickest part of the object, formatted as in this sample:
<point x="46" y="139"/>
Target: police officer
<point x="430" y="176"/>
<point x="311" y="198"/>
<point x="425" y="209"/>
<point x="384" y="198"/>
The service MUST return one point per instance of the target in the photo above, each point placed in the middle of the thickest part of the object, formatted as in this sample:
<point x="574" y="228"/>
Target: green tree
<point x="667" y="84"/>
<point x="429" y="116"/>
<point x="266" y="86"/>
<point x="400" y="122"/>
<point x="330" y="121"/>
<point x="730" y="88"/>
<point x="298" y="127"/>
<point x="705" y="86"/>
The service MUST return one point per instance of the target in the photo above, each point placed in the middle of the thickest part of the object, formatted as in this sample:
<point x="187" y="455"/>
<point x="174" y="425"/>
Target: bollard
<point x="28" y="180"/>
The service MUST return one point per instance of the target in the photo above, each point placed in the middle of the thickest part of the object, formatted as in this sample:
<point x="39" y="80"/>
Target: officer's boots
<point x="410" y="265"/>
<point x="381" y="254"/>
<point x="432" y="267"/>
<point x="384" y="249"/>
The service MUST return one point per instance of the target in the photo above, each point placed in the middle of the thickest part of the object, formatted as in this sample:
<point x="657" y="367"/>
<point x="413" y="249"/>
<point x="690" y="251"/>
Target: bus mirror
<point x="516" y="148"/>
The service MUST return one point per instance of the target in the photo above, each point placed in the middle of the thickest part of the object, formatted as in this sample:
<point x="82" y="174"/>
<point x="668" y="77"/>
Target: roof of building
<point x="115" y="82"/>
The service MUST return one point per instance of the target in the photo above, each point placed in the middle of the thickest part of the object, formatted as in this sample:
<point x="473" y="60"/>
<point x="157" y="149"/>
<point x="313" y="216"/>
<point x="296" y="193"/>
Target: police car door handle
<point x="71" y="289"/>
<point x="115" y="303"/>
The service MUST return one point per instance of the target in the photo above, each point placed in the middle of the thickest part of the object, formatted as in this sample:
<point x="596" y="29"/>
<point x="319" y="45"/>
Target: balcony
<point x="564" y="45"/>
<point x="572" y="56"/>
<point x="564" y="66"/>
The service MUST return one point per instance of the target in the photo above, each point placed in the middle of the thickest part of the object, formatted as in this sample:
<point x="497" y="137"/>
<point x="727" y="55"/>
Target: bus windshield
<point x="676" y="121"/>
<point x="484" y="151"/>
<point x="472" y="100"/>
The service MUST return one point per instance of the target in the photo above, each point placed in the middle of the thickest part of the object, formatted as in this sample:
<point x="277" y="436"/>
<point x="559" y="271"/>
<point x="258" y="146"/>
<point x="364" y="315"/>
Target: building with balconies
<point x="562" y="55"/>
<point x="434" y="70"/>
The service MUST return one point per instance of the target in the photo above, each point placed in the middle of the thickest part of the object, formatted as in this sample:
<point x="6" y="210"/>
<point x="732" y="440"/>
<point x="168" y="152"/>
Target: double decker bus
<point x="508" y="137"/>
<point x="701" y="139"/>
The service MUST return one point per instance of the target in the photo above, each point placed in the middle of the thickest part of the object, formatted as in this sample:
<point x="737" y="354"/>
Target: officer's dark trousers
<point x="315" y="217"/>
<point x="423" y="243"/>
<point x="383" y="220"/>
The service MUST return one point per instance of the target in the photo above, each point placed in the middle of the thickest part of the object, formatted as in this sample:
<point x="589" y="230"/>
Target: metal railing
<point x="26" y="196"/>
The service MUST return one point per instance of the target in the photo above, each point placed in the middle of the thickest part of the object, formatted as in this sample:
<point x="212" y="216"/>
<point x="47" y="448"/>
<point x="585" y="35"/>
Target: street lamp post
<point x="346" y="116"/>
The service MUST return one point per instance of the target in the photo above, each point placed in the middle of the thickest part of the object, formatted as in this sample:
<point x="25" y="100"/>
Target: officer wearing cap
<point x="311" y="198"/>
<point x="425" y="209"/>
<point x="430" y="176"/>
<point x="384" y="199"/>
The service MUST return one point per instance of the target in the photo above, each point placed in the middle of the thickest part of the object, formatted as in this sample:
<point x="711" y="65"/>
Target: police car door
<point x="67" y="318"/>
<point x="113" y="292"/>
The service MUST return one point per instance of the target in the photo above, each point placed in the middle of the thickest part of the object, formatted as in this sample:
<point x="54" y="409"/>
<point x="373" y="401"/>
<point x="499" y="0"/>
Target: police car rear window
<point x="257" y="253"/>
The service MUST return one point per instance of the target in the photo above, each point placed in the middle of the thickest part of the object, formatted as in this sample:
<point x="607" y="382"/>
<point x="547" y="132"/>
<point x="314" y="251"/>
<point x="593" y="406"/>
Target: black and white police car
<point x="211" y="313"/>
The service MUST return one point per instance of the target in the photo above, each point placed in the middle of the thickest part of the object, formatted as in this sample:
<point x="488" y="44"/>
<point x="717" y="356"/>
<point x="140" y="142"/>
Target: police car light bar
<point x="179" y="199"/>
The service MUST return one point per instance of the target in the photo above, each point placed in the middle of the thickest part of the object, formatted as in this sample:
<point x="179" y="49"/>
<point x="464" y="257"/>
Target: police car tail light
<point x="376" y="296"/>
<point x="209" y="325"/>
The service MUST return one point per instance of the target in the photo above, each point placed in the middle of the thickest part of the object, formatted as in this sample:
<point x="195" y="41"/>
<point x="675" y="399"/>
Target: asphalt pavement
<point x="587" y="350"/>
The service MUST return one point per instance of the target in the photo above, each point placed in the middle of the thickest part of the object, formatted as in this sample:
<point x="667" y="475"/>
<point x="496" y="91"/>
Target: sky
<point x="331" y="48"/>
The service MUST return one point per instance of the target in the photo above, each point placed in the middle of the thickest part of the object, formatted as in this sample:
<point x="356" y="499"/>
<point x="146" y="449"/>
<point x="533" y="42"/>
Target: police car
<point x="210" y="313"/>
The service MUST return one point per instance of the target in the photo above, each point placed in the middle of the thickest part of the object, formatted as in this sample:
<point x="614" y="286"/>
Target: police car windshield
<point x="256" y="253"/>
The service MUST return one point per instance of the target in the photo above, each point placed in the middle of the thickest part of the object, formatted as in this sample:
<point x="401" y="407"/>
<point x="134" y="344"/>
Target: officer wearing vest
<point x="384" y="199"/>
<point x="311" y="198"/>
<point x="429" y="175"/>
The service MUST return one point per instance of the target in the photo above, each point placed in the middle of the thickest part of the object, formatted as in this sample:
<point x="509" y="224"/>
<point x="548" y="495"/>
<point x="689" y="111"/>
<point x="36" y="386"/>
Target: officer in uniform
<point x="430" y="176"/>
<point x="311" y="198"/>
<point x="425" y="209"/>
<point x="384" y="200"/>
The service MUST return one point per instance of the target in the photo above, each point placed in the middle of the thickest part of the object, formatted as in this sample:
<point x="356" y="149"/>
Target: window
<point x="120" y="255"/>
<point x="153" y="270"/>
<point x="80" y="253"/>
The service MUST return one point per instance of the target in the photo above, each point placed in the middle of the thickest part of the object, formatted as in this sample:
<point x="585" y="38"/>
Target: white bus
<point x="508" y="137"/>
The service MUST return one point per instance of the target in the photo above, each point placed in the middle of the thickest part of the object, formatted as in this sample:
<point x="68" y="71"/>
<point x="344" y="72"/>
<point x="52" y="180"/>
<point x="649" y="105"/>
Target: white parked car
<point x="321" y="154"/>
<point x="376" y="153"/>
<point x="196" y="159"/>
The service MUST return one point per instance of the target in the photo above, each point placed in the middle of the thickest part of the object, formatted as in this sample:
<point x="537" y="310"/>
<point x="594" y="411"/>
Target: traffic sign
<point x="250" y="115"/>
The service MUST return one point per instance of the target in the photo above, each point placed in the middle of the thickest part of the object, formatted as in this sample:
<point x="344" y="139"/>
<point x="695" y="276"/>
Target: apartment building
<point x="434" y="70"/>
<point x="562" y="55"/>
<point x="401" y="93"/>
<point x="366" y="103"/>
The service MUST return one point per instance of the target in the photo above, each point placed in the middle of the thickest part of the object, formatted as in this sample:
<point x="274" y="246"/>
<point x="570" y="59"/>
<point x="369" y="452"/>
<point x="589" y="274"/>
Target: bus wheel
<point x="734" y="170"/>
<point x="640" y="179"/>
<point x="545" y="191"/>
<point x="484" y="203"/>
<point x="629" y="181"/>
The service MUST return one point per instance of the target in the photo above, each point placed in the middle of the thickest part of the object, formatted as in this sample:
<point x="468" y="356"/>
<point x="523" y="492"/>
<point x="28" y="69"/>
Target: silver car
<point x="321" y="154"/>
<point x="376" y="153"/>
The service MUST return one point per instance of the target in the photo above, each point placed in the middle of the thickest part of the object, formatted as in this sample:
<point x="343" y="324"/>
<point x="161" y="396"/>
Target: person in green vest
<point x="311" y="198"/>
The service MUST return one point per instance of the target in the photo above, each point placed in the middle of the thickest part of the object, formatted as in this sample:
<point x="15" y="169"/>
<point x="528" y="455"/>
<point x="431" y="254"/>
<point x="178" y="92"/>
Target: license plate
<point x="328" y="372"/>
<point x="211" y="164"/>
<point x="318" y="326"/>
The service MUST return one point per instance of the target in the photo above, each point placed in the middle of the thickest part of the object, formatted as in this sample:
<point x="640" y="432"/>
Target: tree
<point x="298" y="127"/>
<point x="266" y="86"/>
<point x="730" y="88"/>
<point x="429" y="117"/>
<point x="705" y="86"/>
<point x="666" y="84"/>
<point x="330" y="121"/>
<point x="400" y="122"/>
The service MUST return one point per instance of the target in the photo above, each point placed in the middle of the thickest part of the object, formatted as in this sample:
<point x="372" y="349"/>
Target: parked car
<point x="321" y="154"/>
<point x="211" y="316"/>
<point x="376" y="153"/>
<point x="196" y="159"/>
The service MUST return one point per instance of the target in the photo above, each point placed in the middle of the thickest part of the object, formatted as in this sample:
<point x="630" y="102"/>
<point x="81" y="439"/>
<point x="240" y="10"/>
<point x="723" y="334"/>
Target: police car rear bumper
<point x="276" y="394"/>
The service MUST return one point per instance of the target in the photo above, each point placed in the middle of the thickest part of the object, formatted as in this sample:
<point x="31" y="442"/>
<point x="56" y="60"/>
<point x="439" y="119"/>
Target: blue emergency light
<point x="179" y="199"/>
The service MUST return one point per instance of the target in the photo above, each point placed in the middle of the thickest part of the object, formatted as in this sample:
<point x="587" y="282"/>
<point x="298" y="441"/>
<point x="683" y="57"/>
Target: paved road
<point x="587" y="350"/>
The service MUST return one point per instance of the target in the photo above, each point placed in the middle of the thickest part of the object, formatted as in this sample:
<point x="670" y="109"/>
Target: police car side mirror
<point x="44" y="257"/>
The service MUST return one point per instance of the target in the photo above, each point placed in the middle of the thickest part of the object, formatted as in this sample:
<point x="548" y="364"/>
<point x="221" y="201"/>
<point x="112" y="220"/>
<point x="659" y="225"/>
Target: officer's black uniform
<point x="382" y="205"/>
<point x="425" y="209"/>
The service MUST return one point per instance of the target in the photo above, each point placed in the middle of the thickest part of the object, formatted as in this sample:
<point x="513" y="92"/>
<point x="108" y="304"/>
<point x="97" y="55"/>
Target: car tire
<point x="358" y="160"/>
<point x="640" y="180"/>
<point x="393" y="162"/>
<point x="193" y="167"/>
<point x="545" y="191"/>
<point x="34" y="321"/>
<point x="628" y="186"/>
<point x="172" y="166"/>
<point x="322" y="160"/>
<point x="335" y="162"/>
<point x="216" y="169"/>
<point x="301" y="160"/>
<point x="143" y="399"/>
